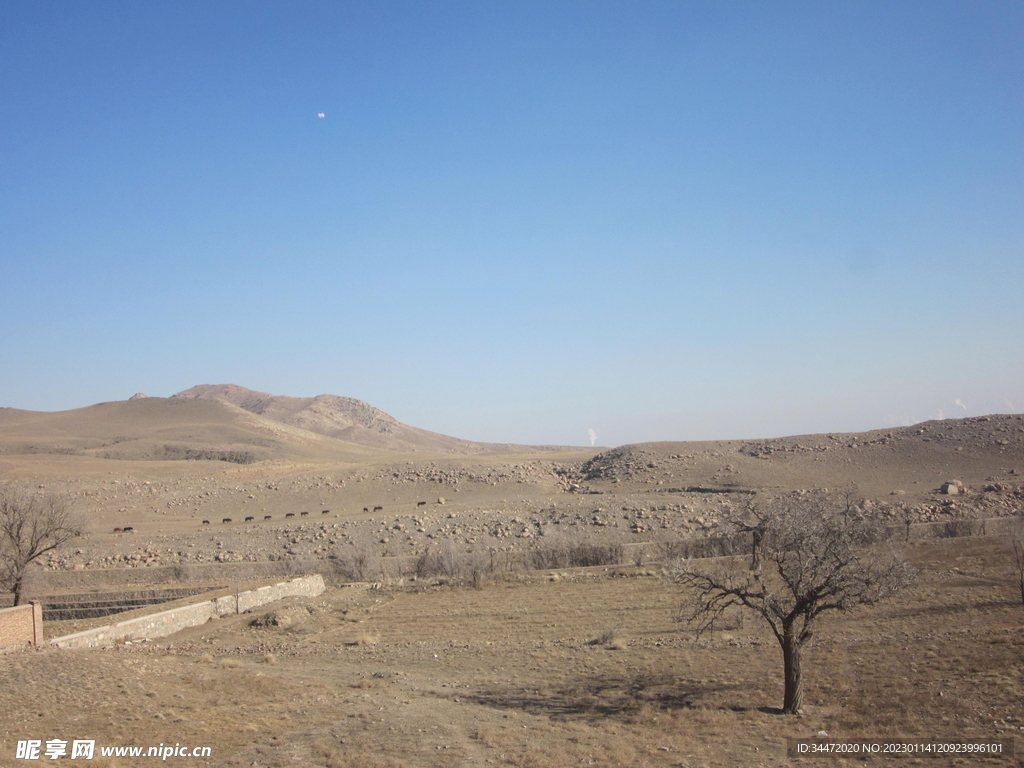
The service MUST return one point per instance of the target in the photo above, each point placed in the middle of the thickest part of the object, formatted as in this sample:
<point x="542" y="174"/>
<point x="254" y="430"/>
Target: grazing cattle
<point x="249" y="519"/>
<point x="128" y="529"/>
<point x="118" y="530"/>
<point x="303" y="514"/>
<point x="206" y="522"/>
<point x="326" y="512"/>
<point x="226" y="520"/>
<point x="268" y="517"/>
<point x="378" y="509"/>
<point x="290" y="514"/>
<point x="366" y="509"/>
<point x="421" y="503"/>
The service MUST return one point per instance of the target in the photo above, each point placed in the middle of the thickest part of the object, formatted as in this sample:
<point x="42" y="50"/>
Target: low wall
<point x="175" y="619"/>
<point x="20" y="626"/>
<point x="90" y="605"/>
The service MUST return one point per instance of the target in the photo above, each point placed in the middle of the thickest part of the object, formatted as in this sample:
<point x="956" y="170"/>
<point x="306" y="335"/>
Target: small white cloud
<point x="320" y="114"/>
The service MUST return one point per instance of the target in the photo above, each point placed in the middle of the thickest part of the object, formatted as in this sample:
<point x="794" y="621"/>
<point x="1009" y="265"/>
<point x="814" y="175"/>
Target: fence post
<point x="37" y="623"/>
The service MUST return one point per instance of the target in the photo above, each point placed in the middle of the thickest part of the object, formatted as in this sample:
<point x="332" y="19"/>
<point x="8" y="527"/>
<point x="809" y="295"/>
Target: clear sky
<point x="539" y="222"/>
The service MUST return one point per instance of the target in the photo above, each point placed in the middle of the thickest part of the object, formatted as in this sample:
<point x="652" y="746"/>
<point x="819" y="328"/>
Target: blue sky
<point x="520" y="221"/>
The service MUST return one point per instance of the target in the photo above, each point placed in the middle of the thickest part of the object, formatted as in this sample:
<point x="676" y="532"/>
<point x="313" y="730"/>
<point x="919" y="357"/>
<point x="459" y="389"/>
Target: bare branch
<point x="811" y="553"/>
<point x="31" y="524"/>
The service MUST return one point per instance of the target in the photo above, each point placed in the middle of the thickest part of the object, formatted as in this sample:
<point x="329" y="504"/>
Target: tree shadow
<point x="949" y="609"/>
<point x="605" y="696"/>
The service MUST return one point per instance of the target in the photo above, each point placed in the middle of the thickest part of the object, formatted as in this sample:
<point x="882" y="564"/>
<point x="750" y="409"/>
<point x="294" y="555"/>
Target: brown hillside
<point x="344" y="418"/>
<point x="908" y="462"/>
<point x="155" y="428"/>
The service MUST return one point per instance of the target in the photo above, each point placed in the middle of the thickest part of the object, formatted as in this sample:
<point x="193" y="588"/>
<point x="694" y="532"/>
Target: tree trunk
<point x="1020" y="581"/>
<point x="1018" y="557"/>
<point x="793" y="700"/>
<point x="19" y="588"/>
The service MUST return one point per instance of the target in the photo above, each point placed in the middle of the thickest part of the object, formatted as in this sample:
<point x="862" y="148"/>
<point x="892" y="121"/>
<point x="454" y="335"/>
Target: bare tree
<point x="1017" y="550"/>
<point x="752" y="520"/>
<point x="814" y="553"/>
<point x="31" y="524"/>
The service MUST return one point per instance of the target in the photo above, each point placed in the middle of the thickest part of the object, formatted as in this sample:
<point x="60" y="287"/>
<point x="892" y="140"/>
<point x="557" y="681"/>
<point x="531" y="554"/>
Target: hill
<point x="162" y="465"/>
<point x="343" y="418"/>
<point x="162" y="429"/>
<point x="903" y="461"/>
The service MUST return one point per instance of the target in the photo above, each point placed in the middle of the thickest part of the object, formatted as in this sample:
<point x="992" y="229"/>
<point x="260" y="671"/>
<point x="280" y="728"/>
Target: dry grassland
<point x="582" y="668"/>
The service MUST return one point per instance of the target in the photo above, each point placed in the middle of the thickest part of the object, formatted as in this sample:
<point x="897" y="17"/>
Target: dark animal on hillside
<point x="118" y="530"/>
<point x="303" y="514"/>
<point x="226" y="520"/>
<point x="249" y="519"/>
<point x="128" y="529"/>
<point x="421" y="503"/>
<point x="290" y="514"/>
<point x="268" y="517"/>
<point x="206" y="522"/>
<point x="378" y="509"/>
<point x="366" y="509"/>
<point x="326" y="512"/>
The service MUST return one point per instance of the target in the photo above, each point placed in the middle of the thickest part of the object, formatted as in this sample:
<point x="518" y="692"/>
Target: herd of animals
<point x="250" y="519"/>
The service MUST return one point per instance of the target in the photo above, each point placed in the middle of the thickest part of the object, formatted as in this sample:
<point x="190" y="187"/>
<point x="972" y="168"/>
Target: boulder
<point x="952" y="487"/>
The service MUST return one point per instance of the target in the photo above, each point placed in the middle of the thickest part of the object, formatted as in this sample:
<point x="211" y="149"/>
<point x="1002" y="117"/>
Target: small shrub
<point x="184" y="573"/>
<point x="673" y="550"/>
<point x="185" y="453"/>
<point x="489" y="736"/>
<point x="355" y="562"/>
<point x="953" y="529"/>
<point x="608" y="638"/>
<point x="639" y="555"/>
<point x="430" y="564"/>
<point x="367" y="638"/>
<point x="576" y="555"/>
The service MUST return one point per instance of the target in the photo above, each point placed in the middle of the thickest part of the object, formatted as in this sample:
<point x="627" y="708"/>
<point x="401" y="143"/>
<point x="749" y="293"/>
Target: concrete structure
<point x="21" y="626"/>
<point x="175" y="619"/>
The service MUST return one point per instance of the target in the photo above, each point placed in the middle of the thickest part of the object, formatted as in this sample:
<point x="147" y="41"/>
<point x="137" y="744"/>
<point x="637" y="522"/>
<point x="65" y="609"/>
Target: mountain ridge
<point x="344" y="418"/>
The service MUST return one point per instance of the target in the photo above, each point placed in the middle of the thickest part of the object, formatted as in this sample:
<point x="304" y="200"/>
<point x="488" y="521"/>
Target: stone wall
<point x="87" y="605"/>
<point x="175" y="619"/>
<point x="21" y="626"/>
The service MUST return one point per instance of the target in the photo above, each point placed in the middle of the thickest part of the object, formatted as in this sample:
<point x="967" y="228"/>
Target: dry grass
<point x="513" y="675"/>
<point x="367" y="638"/>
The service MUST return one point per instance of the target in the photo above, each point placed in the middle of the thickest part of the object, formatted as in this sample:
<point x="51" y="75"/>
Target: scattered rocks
<point x="289" y="616"/>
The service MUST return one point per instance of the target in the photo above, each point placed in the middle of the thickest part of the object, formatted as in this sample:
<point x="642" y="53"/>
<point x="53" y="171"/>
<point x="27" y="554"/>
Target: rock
<point x="282" y="617"/>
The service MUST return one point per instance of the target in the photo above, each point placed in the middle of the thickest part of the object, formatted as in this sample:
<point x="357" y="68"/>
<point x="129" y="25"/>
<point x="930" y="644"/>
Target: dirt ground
<point x="537" y="669"/>
<point x="547" y="669"/>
